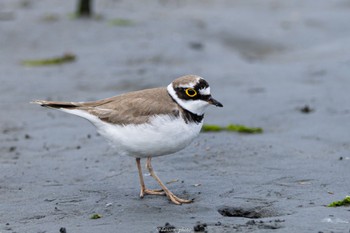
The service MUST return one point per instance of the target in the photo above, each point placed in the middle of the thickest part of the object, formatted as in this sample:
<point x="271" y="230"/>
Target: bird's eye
<point x="191" y="92"/>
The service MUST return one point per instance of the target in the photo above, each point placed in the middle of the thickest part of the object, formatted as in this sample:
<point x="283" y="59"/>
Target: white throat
<point x="194" y="106"/>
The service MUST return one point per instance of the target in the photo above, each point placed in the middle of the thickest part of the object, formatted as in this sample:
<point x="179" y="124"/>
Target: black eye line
<point x="191" y="89"/>
<point x="197" y="96"/>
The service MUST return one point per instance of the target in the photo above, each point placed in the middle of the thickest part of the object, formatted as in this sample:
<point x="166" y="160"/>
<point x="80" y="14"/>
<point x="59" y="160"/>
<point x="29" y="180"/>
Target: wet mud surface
<point x="279" y="65"/>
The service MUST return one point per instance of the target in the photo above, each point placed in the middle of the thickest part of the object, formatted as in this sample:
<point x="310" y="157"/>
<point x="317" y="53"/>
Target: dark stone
<point x="200" y="227"/>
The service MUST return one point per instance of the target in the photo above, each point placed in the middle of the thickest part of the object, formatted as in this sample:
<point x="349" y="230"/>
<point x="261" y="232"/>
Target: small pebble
<point x="306" y="109"/>
<point x="196" y="45"/>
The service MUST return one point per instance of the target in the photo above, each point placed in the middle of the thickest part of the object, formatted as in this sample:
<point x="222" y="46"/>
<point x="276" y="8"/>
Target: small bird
<point x="148" y="123"/>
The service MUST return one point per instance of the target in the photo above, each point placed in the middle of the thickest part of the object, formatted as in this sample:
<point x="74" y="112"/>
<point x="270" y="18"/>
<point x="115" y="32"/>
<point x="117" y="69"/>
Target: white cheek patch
<point x="205" y="91"/>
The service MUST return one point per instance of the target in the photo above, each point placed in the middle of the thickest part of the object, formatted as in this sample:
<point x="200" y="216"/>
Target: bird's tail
<point x="56" y="104"/>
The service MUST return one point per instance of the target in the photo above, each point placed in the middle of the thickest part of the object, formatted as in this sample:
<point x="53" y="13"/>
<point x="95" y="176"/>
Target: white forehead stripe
<point x="191" y="84"/>
<point x="187" y="85"/>
<point x="205" y="91"/>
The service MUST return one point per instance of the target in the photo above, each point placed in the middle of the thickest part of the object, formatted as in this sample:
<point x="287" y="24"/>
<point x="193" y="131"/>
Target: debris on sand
<point x="12" y="148"/>
<point x="167" y="228"/>
<point x="272" y="224"/>
<point x="172" y="181"/>
<point x="248" y="212"/>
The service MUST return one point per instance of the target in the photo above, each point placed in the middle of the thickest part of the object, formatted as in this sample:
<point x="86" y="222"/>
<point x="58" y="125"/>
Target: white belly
<point x="163" y="135"/>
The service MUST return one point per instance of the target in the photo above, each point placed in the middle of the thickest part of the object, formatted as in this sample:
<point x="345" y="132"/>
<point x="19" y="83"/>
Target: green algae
<point x="243" y="129"/>
<point x="67" y="57"/>
<point x="212" y="128"/>
<point x="121" y="22"/>
<point x="232" y="128"/>
<point x="96" y="216"/>
<point x="344" y="202"/>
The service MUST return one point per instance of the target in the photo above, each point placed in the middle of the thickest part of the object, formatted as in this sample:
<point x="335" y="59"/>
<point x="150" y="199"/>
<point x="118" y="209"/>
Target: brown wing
<point x="130" y="108"/>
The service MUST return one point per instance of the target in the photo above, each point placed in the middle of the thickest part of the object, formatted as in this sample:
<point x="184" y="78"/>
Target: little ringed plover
<point x="148" y="123"/>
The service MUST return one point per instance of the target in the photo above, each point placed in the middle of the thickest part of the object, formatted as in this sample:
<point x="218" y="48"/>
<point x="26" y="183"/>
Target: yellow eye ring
<point x="191" y="92"/>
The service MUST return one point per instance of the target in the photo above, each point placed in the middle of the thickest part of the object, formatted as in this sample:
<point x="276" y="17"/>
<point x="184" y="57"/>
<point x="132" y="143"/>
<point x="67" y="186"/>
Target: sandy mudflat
<point x="265" y="61"/>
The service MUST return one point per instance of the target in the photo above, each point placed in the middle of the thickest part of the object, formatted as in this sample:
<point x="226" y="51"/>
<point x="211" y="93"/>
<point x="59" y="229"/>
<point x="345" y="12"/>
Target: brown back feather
<point x="133" y="107"/>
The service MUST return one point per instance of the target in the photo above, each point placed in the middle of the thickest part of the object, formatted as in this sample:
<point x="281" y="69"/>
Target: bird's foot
<point x="176" y="200"/>
<point x="151" y="192"/>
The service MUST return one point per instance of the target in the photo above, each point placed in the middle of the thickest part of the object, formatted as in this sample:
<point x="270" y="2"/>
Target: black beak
<point x="215" y="102"/>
